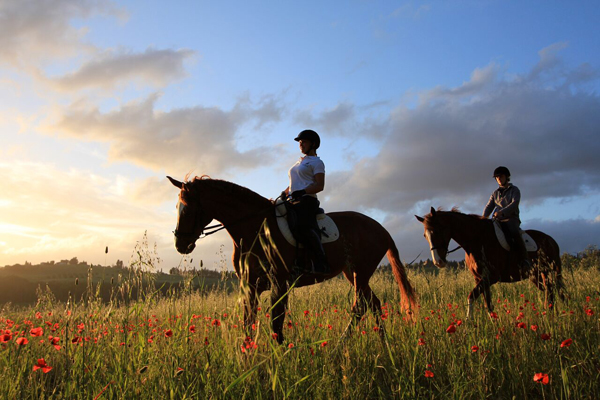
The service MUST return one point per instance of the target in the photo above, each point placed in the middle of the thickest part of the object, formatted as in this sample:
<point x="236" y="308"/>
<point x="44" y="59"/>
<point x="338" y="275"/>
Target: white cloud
<point x="35" y="31"/>
<point x="109" y="69"/>
<point x="198" y="138"/>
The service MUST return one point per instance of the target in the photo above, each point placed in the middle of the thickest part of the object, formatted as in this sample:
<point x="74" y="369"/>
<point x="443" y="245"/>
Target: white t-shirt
<point x="302" y="174"/>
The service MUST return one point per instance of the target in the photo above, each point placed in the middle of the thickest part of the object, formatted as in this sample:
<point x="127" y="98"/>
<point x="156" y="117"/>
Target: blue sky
<point x="416" y="102"/>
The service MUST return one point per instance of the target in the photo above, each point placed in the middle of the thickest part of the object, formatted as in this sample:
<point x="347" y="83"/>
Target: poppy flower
<point x="451" y="328"/>
<point x="41" y="363"/>
<point x="421" y="342"/>
<point x="493" y="315"/>
<point x="168" y="333"/>
<point x="534" y="328"/>
<point x="323" y="344"/>
<point x="589" y="312"/>
<point x="6" y="337"/>
<point x="54" y="342"/>
<point x="22" y="341"/>
<point x="216" y="322"/>
<point x="474" y="349"/>
<point x="428" y="374"/>
<point x="545" y="336"/>
<point x="291" y="345"/>
<point x="193" y="328"/>
<point x="36" y="332"/>
<point x="566" y="343"/>
<point x="522" y="325"/>
<point x="542" y="378"/>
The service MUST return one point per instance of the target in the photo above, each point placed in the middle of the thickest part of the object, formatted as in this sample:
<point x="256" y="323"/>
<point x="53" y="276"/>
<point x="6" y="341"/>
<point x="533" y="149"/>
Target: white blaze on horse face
<point x="437" y="260"/>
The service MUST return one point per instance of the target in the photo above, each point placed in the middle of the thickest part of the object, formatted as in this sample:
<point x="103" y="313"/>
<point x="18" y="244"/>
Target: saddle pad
<point x="326" y="225"/>
<point x="530" y="245"/>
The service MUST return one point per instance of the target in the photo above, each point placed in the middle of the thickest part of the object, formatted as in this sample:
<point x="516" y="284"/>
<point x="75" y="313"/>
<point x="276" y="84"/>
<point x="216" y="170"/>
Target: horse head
<point x="438" y="237"/>
<point x="191" y="219"/>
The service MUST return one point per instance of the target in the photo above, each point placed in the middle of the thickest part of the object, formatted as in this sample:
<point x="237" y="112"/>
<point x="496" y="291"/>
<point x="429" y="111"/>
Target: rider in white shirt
<point x="307" y="178"/>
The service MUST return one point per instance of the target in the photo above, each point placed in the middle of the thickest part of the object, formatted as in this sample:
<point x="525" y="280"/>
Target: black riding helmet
<point x="501" y="171"/>
<point x="309" y="134"/>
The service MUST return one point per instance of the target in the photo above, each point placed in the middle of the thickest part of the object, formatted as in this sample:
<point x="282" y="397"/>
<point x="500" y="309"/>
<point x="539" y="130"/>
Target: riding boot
<point x="319" y="258"/>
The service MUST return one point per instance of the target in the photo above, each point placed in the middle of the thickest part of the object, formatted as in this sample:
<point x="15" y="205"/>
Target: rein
<point x="447" y="252"/>
<point x="218" y="227"/>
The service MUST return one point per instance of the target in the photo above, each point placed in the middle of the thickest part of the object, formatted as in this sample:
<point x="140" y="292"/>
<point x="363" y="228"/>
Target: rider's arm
<point x="317" y="186"/>
<point x="489" y="207"/>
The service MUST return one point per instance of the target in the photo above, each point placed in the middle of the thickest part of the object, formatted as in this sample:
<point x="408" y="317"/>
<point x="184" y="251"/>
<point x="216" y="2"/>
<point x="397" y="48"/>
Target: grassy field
<point x="193" y="345"/>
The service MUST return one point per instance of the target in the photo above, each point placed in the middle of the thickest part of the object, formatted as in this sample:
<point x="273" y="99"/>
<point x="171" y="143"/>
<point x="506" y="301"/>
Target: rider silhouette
<point x="504" y="202"/>
<point x="307" y="178"/>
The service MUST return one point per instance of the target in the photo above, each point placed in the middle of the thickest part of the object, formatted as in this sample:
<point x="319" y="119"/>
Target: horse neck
<point x="466" y="230"/>
<point x="237" y="208"/>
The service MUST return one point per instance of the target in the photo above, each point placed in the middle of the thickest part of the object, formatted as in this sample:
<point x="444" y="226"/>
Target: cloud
<point x="442" y="151"/>
<point x="106" y="70"/>
<point x="572" y="235"/>
<point x="33" y="31"/>
<point x="198" y="138"/>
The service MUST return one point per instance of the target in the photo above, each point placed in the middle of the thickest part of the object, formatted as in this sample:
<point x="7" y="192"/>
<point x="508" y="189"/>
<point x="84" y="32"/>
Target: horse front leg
<point x="250" y="309"/>
<point x="279" y="299"/>
<point x="482" y="287"/>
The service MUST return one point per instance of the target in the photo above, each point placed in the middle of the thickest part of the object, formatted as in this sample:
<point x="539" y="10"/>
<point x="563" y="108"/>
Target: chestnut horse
<point x="486" y="259"/>
<point x="250" y="218"/>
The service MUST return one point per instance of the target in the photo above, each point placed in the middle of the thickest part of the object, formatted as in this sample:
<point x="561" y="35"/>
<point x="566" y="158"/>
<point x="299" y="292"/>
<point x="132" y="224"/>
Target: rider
<point x="307" y="178"/>
<point x="505" y="201"/>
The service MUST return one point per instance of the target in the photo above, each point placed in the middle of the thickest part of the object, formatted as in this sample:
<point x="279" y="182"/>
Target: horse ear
<point x="175" y="182"/>
<point x="420" y="219"/>
<point x="432" y="211"/>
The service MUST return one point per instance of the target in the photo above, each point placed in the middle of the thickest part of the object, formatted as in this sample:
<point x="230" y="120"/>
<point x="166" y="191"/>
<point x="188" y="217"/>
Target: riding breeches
<point x="512" y="227"/>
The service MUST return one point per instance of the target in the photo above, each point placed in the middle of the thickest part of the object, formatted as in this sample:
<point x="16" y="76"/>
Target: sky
<point x="416" y="104"/>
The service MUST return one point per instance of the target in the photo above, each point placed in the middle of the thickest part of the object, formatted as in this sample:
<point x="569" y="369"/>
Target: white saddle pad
<point x="326" y="225"/>
<point x="530" y="245"/>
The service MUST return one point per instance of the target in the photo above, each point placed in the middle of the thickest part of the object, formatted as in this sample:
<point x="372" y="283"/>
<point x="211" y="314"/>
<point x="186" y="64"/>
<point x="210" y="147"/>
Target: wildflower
<point x="323" y="344"/>
<point x="493" y="315"/>
<point x="306" y="312"/>
<point x="291" y="345"/>
<point x="193" y="328"/>
<point x="274" y="336"/>
<point x="54" y="342"/>
<point x="542" y="378"/>
<point x="545" y="336"/>
<point x="589" y="312"/>
<point x="566" y="343"/>
<point x="451" y="328"/>
<point x="168" y="333"/>
<point x="41" y="363"/>
<point x="22" y="341"/>
<point x="534" y="328"/>
<point x="216" y="322"/>
<point x="36" y="332"/>
<point x="376" y="328"/>
<point x="428" y="374"/>
<point x="6" y="337"/>
<point x="522" y="325"/>
<point x="421" y="342"/>
<point x="474" y="349"/>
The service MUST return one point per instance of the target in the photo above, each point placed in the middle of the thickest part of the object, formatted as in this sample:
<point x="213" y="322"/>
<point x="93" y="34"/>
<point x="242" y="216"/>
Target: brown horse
<point x="486" y="259"/>
<point x="248" y="216"/>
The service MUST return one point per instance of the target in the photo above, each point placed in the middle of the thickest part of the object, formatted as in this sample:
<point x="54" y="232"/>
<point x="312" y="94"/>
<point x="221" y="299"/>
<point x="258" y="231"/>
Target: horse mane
<point x="430" y="219"/>
<point x="229" y="187"/>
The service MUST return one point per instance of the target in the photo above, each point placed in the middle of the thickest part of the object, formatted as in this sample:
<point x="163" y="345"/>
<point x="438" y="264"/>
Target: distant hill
<point x="19" y="283"/>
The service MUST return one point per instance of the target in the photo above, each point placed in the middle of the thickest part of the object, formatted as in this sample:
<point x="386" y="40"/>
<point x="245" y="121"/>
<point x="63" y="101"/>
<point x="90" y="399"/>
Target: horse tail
<point x="408" y="295"/>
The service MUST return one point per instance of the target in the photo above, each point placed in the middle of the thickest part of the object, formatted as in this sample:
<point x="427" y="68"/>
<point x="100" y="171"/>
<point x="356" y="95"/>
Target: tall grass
<point x="193" y="345"/>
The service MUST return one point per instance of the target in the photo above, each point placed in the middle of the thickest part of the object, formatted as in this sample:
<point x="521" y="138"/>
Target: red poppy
<point x="474" y="349"/>
<point x="22" y="341"/>
<point x="566" y="343"/>
<point x="306" y="312"/>
<point x="542" y="378"/>
<point x="54" y="342"/>
<point x="6" y="337"/>
<point x="522" y="325"/>
<point x="323" y="344"/>
<point x="36" y="332"/>
<point x="428" y="374"/>
<point x="493" y="315"/>
<point x="534" y="328"/>
<point x="545" y="336"/>
<point x="41" y="363"/>
<point x="216" y="322"/>
<point x="291" y="345"/>
<point x="168" y="333"/>
<point x="451" y="328"/>
<point x="589" y="311"/>
<point x="421" y="342"/>
<point x="193" y="328"/>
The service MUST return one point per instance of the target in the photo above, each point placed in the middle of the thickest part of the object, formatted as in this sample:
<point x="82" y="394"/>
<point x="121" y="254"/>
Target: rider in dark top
<point x="307" y="178"/>
<point x="504" y="203"/>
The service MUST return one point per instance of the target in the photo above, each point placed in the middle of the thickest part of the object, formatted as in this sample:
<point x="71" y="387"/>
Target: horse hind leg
<point x="375" y="306"/>
<point x="482" y="287"/>
<point x="358" y="307"/>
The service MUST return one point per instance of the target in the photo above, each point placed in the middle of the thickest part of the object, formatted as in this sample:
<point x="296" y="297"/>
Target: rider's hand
<point x="297" y="194"/>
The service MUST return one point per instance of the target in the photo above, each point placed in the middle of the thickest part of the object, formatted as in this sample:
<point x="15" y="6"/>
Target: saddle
<point x="530" y="244"/>
<point x="328" y="229"/>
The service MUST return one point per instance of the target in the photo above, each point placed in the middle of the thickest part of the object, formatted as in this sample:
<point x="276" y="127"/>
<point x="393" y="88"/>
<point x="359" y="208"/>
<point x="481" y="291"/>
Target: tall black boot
<point x="319" y="257"/>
